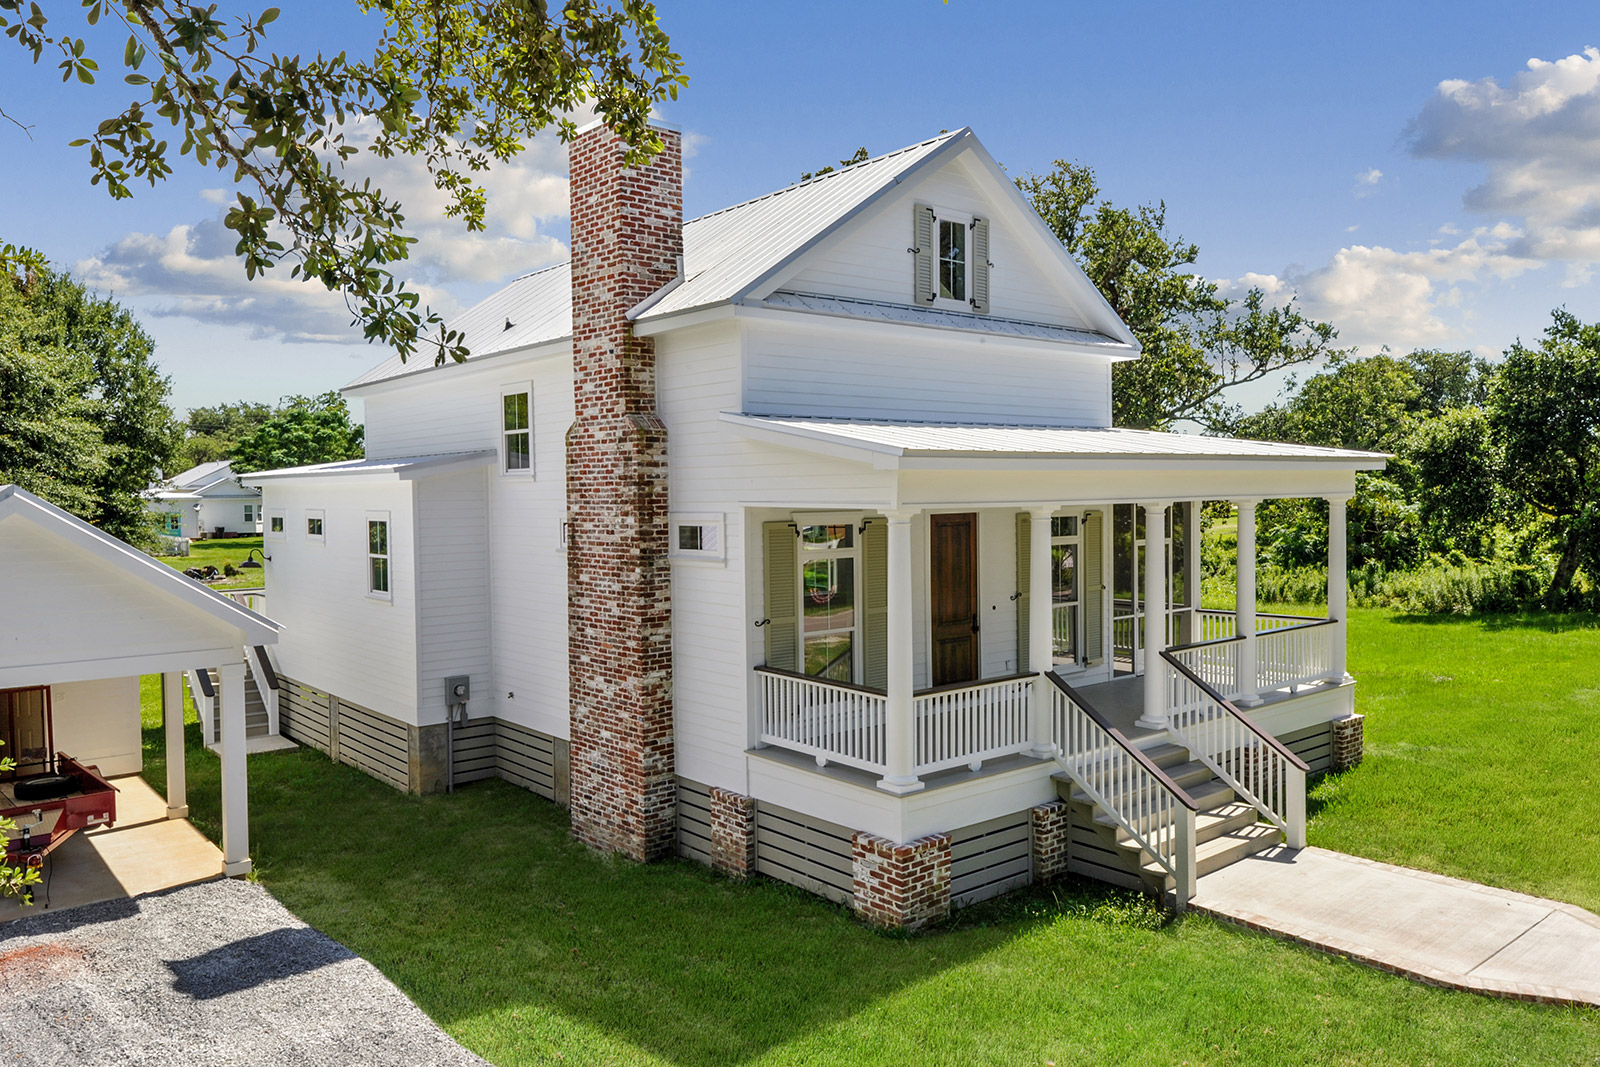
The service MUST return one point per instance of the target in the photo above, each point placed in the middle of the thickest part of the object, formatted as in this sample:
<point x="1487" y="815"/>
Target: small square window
<point x="697" y="537"/>
<point x="277" y="524"/>
<point x="314" y="528"/>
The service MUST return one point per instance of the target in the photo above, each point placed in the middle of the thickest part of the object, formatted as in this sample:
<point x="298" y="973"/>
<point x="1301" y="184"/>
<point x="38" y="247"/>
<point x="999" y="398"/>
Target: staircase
<point x="256" y="721"/>
<point x="1226" y="828"/>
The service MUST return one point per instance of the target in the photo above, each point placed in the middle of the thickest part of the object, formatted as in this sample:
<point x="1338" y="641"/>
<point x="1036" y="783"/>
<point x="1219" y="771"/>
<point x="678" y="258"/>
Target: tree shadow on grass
<point x="486" y="912"/>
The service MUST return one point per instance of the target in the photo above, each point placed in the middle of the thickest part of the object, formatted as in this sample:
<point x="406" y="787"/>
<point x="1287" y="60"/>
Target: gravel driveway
<point x="218" y="973"/>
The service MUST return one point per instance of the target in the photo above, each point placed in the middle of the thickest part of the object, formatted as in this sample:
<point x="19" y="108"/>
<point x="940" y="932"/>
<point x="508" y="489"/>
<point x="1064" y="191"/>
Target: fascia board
<point x="880" y="457"/>
<point x="933" y="461"/>
<point x="685" y="319"/>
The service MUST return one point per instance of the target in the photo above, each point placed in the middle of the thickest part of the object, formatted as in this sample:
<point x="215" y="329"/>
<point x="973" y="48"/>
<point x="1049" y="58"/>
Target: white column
<point x="1244" y="611"/>
<point x="1338" y="587"/>
<point x="172" y="716"/>
<point x="1193" y="570"/>
<point x="900" y="740"/>
<point x="235" y="789"/>
<point x="1155" y="616"/>
<point x="1041" y="627"/>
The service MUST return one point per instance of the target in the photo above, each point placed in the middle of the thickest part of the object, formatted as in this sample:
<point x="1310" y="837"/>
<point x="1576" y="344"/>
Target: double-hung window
<point x="951" y="266"/>
<point x="378" y="556"/>
<point x="516" y="430"/>
<point x="830" y="622"/>
<point x="252" y="514"/>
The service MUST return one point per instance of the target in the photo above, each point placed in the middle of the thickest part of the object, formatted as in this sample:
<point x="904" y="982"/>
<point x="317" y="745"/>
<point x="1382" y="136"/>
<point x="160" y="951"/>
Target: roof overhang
<point x="907" y="446"/>
<point x="403" y="469"/>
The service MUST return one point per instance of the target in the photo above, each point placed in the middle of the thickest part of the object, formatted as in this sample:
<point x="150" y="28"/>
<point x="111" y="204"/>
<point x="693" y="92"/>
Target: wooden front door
<point x="25" y="730"/>
<point x="953" y="547"/>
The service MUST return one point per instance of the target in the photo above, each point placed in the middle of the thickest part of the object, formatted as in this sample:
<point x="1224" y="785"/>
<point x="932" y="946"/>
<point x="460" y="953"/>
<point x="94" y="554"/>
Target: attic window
<point x="950" y="268"/>
<point x="952" y="260"/>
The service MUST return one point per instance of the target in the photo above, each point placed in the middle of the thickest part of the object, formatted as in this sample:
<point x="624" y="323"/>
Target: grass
<point x="217" y="553"/>
<point x="529" y="949"/>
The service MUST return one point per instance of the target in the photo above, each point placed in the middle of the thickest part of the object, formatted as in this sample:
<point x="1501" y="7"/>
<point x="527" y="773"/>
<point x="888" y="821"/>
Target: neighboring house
<point x="794" y="539"/>
<point x="89" y="615"/>
<point x="206" y="501"/>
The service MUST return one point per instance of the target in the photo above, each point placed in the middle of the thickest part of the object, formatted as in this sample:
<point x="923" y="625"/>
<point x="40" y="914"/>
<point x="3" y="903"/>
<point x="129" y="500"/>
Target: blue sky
<point x="1418" y="174"/>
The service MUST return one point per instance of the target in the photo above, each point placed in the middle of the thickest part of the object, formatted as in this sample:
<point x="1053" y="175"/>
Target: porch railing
<point x="837" y="722"/>
<point x="1254" y="764"/>
<point x="1123" y="782"/>
<point x="1217" y="625"/>
<point x="1216" y="660"/>
<point x="254" y="599"/>
<point x="1294" y="656"/>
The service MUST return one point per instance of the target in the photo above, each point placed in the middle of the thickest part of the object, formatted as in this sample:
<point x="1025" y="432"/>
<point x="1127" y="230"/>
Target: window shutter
<point x="980" y="266"/>
<point x="875" y="594"/>
<point x="1024" y="559"/>
<point x="924" y="253"/>
<point x="1094" y="599"/>
<point x="782" y="585"/>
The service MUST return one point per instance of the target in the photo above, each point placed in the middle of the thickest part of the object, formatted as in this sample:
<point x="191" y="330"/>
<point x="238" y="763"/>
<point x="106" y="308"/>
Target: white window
<point x="829" y="576"/>
<point x="697" y="537"/>
<point x="954" y="264"/>
<point x="314" y="525"/>
<point x="378" y="555"/>
<point x="566" y="532"/>
<point x="516" y="430"/>
<point x="252" y="514"/>
<point x="275" y="525"/>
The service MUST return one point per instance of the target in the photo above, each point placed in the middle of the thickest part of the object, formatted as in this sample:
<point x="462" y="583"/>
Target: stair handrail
<point x="1274" y="783"/>
<point x="1154" y="811"/>
<point x="266" y="682"/>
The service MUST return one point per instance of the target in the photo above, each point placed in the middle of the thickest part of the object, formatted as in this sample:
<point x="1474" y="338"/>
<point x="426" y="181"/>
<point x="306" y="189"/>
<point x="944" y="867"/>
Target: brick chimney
<point x="627" y="232"/>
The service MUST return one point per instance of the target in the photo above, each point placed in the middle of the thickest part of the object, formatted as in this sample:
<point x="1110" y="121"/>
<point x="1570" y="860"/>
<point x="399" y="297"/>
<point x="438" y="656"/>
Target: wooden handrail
<point x="203" y="675"/>
<point x="1121" y="739"/>
<point x="268" y="675"/>
<point x="1272" y="742"/>
<point x="951" y="687"/>
<point x="1261" y="614"/>
<point x="1213" y="641"/>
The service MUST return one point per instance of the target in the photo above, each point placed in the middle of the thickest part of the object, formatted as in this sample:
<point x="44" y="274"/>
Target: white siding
<point x="871" y="261"/>
<point x="452" y="582"/>
<point x="97" y="723"/>
<point x="860" y="370"/>
<point x="336" y="637"/>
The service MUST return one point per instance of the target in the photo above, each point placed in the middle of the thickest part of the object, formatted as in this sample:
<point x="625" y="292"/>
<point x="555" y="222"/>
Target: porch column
<point x="235" y="794"/>
<point x="1041" y="627"/>
<point x="1338" y="586"/>
<point x="1155" y="616"/>
<point x="1244" y="610"/>
<point x="1193" y="571"/>
<point x="900" y="728"/>
<point x="172" y="720"/>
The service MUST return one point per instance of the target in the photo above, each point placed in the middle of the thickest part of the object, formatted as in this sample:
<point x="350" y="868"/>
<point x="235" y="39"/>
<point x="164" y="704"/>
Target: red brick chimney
<point x="627" y="235"/>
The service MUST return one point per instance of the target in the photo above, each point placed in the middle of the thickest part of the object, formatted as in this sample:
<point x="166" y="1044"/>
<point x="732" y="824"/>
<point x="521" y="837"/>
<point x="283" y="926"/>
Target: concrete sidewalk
<point x="1442" y="931"/>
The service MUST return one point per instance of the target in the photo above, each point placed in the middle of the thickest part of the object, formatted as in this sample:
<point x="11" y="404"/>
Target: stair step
<point x="1208" y="792"/>
<point x="1222" y="851"/>
<point x="1208" y="825"/>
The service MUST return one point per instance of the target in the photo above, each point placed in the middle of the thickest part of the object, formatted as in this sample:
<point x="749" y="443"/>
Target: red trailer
<point x="50" y="808"/>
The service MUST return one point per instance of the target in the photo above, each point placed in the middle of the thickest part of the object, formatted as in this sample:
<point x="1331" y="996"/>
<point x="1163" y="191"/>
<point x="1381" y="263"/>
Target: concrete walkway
<point x="1439" y="930"/>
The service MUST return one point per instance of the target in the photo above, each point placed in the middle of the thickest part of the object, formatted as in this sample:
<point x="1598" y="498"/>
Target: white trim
<point x="964" y="219"/>
<point x="320" y="517"/>
<point x="563" y="531"/>
<point x="387" y="556"/>
<point x="282" y="532"/>
<point x="855" y="554"/>
<point x="714" y="552"/>
<point x="504" y="434"/>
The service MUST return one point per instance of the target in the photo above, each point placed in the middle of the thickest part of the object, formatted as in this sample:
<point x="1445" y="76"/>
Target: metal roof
<point x="848" y="307"/>
<point x="402" y="467"/>
<point x="955" y="440"/>
<point x="725" y="253"/>
<point x="204" y="474"/>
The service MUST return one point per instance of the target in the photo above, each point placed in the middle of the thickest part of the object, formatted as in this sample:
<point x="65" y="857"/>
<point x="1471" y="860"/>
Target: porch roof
<point x="400" y="468"/>
<point x="912" y="445"/>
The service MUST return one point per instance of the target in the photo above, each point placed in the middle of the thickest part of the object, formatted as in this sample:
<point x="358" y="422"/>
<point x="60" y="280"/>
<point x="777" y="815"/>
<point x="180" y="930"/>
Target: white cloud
<point x="191" y="270"/>
<point x="1367" y="182"/>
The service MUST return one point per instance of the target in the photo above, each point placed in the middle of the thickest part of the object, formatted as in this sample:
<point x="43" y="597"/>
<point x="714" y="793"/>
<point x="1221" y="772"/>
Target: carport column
<point x="172" y="719"/>
<point x="900" y="727"/>
<point x="1041" y="626"/>
<point x="1244" y="607"/>
<point x="235" y="792"/>
<point x="1338" y="587"/>
<point x="1155" y="616"/>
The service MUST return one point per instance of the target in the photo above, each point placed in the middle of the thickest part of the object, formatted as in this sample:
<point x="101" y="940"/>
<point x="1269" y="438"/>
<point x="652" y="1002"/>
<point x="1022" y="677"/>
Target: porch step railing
<point x="837" y="722"/>
<point x="1254" y="764"/>
<point x="1124" y="783"/>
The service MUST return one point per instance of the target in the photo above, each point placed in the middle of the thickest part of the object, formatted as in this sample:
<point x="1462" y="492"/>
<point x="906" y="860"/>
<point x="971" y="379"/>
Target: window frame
<point x="252" y="512"/>
<point x="1080" y="656"/>
<point x="965" y="219"/>
<point x="387" y="556"/>
<point x="717" y="553"/>
<point x="282" y="532"/>
<point x="172" y="524"/>
<point x="503" y="434"/>
<point x="858" y="651"/>
<point x="321" y="518"/>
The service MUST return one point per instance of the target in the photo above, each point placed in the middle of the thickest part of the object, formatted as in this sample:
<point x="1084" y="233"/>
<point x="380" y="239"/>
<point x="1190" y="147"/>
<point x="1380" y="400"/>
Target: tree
<point x="1197" y="343"/>
<point x="1544" y="415"/>
<point x="860" y="156"/>
<point x="303" y="430"/>
<point x="458" y="84"/>
<point x="84" y="421"/>
<point x="213" y="432"/>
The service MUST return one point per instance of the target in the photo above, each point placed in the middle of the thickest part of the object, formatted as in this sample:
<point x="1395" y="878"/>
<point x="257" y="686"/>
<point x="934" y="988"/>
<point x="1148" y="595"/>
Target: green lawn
<point x="217" y="553"/>
<point x="530" y="949"/>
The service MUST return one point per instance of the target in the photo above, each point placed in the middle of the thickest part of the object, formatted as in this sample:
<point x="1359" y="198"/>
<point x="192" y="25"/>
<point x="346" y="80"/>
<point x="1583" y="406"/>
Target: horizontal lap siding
<point x="990" y="858"/>
<point x="815" y="855"/>
<point x="1314" y="744"/>
<point x="525" y="757"/>
<point x="1092" y="851"/>
<point x="694" y="821"/>
<point x="474" y="751"/>
<point x="303" y="713"/>
<point x="375" y="743"/>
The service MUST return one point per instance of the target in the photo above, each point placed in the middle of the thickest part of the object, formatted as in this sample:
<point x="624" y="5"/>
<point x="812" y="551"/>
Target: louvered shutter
<point x="924" y="253"/>
<point x="1093" y="588"/>
<point x="875" y="588"/>
<point x="980" y="266"/>
<point x="782" y="610"/>
<point x="1024" y="561"/>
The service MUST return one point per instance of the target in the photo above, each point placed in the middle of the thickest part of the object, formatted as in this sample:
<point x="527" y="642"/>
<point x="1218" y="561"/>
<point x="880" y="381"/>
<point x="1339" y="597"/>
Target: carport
<point x="85" y="616"/>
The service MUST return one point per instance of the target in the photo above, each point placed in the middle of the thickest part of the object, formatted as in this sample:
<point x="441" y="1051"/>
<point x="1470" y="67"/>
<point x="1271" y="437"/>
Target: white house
<point x="88" y="614"/>
<point x="795" y="539"/>
<point x="206" y="501"/>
